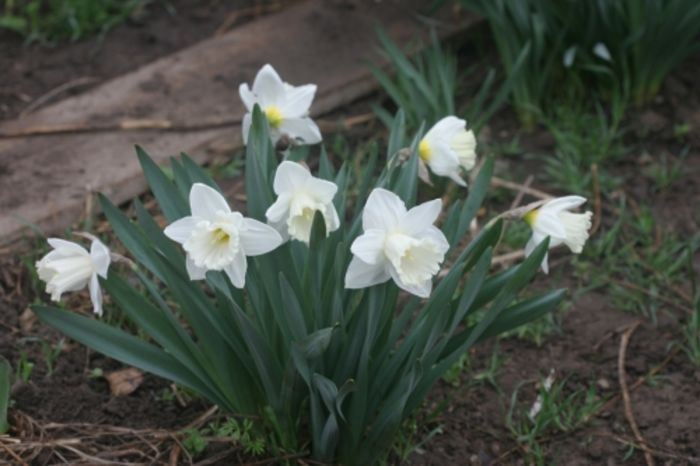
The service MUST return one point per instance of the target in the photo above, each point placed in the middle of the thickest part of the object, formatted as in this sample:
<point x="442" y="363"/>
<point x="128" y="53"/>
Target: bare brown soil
<point x="29" y="72"/>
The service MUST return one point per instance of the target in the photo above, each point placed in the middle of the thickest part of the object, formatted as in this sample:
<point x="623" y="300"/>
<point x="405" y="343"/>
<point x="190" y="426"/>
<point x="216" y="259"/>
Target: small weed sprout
<point x="51" y="353"/>
<point x="24" y="367"/>
<point x="555" y="409"/>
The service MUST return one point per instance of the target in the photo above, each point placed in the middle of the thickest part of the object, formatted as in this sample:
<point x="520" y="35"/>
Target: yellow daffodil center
<point x="220" y="237"/>
<point x="424" y="150"/>
<point x="531" y="217"/>
<point x="274" y="116"/>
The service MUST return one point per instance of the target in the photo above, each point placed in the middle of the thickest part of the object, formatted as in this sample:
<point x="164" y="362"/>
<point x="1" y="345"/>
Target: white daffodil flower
<point x="285" y="106"/>
<point x="447" y="146"/>
<point x="398" y="244"/>
<point x="299" y="196"/>
<point x="70" y="267"/>
<point x="555" y="220"/>
<point x="215" y="238"/>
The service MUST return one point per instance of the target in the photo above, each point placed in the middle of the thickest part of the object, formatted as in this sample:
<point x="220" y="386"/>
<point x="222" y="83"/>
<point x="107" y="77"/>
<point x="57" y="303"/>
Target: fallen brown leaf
<point x="123" y="382"/>
<point x="27" y="320"/>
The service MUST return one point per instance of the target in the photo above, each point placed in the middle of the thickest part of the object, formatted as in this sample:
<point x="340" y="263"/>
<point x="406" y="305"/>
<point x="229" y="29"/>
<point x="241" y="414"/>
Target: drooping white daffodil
<point x="70" y="267"/>
<point x="285" y="106"/>
<point x="447" y="146"/>
<point x="299" y="196"/>
<point x="555" y="220"/>
<point x="398" y="244"/>
<point x="216" y="238"/>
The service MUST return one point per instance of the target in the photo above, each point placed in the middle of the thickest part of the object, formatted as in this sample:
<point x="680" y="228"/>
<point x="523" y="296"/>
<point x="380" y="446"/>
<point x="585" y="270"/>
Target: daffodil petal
<point x="369" y="247"/>
<point x="323" y="190"/>
<point x="421" y="217"/>
<point x="66" y="246"/>
<point x="247" y="96"/>
<point x="421" y="290"/>
<point x="564" y="203"/>
<point x="236" y="270"/>
<point x="95" y="294"/>
<point x="268" y="87"/>
<point x="279" y="210"/>
<point x="382" y="210"/>
<point x="194" y="272"/>
<point x="361" y="274"/>
<point x="302" y="129"/>
<point x="548" y="224"/>
<point x="532" y="243"/>
<point x="258" y="238"/>
<point x="99" y="253"/>
<point x="289" y="177"/>
<point x="245" y="127"/>
<point x="181" y="230"/>
<point x="298" y="101"/>
<point x="206" y="202"/>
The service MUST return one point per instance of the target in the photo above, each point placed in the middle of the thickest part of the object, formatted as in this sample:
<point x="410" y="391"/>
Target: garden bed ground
<point x="65" y="414"/>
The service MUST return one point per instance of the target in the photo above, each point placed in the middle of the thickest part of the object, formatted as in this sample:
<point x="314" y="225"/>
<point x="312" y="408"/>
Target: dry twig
<point x="624" y="342"/>
<point x="501" y="183"/>
<point x="41" y="100"/>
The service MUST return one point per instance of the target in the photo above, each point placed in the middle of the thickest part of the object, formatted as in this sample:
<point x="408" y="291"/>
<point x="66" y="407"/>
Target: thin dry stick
<point x="14" y="455"/>
<point x="597" y="203"/>
<point x="245" y="13"/>
<point x="509" y="257"/>
<point x="519" y="197"/>
<point x="624" y="342"/>
<point x="84" y="81"/>
<point x="656" y="451"/>
<point x="143" y="124"/>
<point x="501" y="183"/>
<point x="645" y="291"/>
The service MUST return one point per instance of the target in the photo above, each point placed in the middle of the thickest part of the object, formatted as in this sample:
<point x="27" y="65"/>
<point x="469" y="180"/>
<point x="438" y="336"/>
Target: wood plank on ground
<point x="45" y="180"/>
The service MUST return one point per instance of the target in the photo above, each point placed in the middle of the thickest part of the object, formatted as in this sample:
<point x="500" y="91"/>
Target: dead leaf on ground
<point x="27" y="320"/>
<point x="123" y="382"/>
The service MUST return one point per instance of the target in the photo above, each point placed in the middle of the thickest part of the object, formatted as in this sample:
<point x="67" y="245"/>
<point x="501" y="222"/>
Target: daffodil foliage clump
<point x="329" y="304"/>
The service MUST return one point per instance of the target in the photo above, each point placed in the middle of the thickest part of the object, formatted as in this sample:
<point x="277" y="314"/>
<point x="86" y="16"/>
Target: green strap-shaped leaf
<point x="260" y="164"/>
<point x="5" y="374"/>
<point x="171" y="201"/>
<point x="126" y="348"/>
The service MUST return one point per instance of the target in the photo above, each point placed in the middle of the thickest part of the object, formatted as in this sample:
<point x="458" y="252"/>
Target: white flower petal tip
<point x="285" y="106"/>
<point x="216" y="238"/>
<point x="70" y="267"/>
<point x="448" y="148"/>
<point x="555" y="219"/>
<point x="398" y="244"/>
<point x="299" y="196"/>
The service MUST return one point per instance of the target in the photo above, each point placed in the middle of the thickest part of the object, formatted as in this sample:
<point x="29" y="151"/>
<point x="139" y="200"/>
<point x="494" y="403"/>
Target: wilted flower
<point x="215" y="238"/>
<point x="70" y="267"/>
<point x="285" y="106"/>
<point x="553" y="219"/>
<point x="447" y="146"/>
<point x="398" y="244"/>
<point x="299" y="196"/>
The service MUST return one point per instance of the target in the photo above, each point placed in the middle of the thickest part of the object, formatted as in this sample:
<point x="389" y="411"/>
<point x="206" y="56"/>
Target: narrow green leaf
<point x="123" y="347"/>
<point x="173" y="204"/>
<point x="5" y="374"/>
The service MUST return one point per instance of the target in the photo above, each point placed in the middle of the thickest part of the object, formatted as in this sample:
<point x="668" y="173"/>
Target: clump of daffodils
<point x="292" y="309"/>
